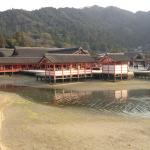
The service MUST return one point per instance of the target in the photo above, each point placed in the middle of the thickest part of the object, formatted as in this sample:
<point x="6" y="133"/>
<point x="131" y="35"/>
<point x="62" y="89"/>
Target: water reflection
<point x="64" y="97"/>
<point x="122" y="101"/>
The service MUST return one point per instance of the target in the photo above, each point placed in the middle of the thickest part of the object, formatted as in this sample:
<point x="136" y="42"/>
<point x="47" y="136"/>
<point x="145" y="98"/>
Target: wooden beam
<point x="54" y="68"/>
<point x="62" y="69"/>
<point x="70" y="72"/>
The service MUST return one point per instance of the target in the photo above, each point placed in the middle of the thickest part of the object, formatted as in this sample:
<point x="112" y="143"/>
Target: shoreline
<point x="46" y="127"/>
<point x="3" y="105"/>
<point x="89" y="85"/>
<point x="98" y="85"/>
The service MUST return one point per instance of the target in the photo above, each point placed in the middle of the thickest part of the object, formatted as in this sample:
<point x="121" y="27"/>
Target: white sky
<point x="132" y="5"/>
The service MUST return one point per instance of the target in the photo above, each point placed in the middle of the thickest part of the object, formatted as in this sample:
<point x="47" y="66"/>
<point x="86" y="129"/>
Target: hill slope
<point x="95" y="28"/>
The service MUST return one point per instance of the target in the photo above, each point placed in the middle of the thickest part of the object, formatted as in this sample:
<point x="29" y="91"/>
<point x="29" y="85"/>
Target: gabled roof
<point x="69" y="58"/>
<point x="4" y="52"/>
<point x="30" y="51"/>
<point x="68" y="51"/>
<point x="19" y="60"/>
<point x="131" y="55"/>
<point x="119" y="57"/>
<point x="147" y="56"/>
<point x="40" y="51"/>
<point x="142" y="56"/>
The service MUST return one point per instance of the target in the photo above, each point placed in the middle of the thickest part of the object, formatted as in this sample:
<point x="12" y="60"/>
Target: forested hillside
<point x="93" y="28"/>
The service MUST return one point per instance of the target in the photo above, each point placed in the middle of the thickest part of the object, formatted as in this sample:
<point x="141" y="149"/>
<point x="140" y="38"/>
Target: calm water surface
<point x="133" y="102"/>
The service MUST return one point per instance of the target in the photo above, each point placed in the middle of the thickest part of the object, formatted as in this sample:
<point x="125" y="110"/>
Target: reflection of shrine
<point x="86" y="98"/>
<point x="121" y="95"/>
<point x="118" y="96"/>
<point x="70" y="97"/>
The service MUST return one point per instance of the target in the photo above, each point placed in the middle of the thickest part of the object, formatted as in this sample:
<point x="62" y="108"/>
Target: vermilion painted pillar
<point x="62" y="69"/>
<point x="70" y="71"/>
<point x="54" y="73"/>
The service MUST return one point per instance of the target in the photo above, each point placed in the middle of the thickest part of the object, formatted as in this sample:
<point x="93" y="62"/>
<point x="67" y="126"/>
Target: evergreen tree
<point x="2" y="41"/>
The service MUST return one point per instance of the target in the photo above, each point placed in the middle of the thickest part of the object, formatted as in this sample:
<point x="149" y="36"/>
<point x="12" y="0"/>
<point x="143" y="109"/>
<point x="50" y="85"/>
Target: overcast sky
<point x="132" y="5"/>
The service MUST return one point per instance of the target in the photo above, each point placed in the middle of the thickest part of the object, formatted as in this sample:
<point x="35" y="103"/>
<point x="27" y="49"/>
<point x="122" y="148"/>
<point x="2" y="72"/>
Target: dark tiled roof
<point x="131" y="55"/>
<point x="19" y="60"/>
<point x="119" y="57"/>
<point x="147" y="56"/>
<point x="40" y="51"/>
<point x="127" y="56"/>
<point x="69" y="58"/>
<point x="30" y="52"/>
<point x="65" y="51"/>
<point x="142" y="56"/>
<point x="4" y="52"/>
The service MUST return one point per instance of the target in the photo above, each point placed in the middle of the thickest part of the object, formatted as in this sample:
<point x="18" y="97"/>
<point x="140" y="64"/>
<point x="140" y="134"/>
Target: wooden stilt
<point x="12" y="70"/>
<point x="62" y="69"/>
<point x="70" y="72"/>
<point x="78" y="72"/>
<point x="49" y="73"/>
<point x="121" y="71"/>
<point x="4" y="70"/>
<point x="54" y="73"/>
<point x="85" y="70"/>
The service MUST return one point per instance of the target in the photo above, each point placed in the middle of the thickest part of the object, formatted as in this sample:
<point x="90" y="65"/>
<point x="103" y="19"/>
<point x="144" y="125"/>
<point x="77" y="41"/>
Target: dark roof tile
<point x="119" y="57"/>
<point x="4" y="52"/>
<point x="19" y="60"/>
<point x="69" y="58"/>
<point x="40" y="51"/>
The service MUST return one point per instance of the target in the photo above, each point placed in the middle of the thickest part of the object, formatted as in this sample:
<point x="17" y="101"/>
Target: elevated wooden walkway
<point x="142" y="74"/>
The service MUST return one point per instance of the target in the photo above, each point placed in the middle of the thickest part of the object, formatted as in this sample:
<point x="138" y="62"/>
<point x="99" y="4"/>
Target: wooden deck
<point x="62" y="75"/>
<point x="142" y="74"/>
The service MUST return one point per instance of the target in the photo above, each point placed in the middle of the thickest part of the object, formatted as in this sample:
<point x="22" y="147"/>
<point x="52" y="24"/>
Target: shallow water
<point x="132" y="102"/>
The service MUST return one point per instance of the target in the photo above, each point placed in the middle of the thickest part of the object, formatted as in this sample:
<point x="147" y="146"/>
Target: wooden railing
<point x="69" y="72"/>
<point x="10" y="70"/>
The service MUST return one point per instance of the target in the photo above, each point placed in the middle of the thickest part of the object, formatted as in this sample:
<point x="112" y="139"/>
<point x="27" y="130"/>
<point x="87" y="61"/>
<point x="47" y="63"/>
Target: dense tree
<point x="46" y="39"/>
<point x="96" y="28"/>
<point x="2" y="41"/>
<point x="19" y="39"/>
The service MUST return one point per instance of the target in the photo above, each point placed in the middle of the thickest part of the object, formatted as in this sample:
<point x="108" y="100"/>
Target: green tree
<point x="22" y="39"/>
<point x="2" y="41"/>
<point x="46" y="39"/>
<point x="11" y="42"/>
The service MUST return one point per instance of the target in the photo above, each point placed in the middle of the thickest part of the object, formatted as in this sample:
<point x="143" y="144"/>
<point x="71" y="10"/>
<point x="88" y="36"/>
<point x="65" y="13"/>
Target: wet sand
<point x="23" y="80"/>
<point x="4" y="102"/>
<point x="30" y="126"/>
<point x="98" y="85"/>
<point x="91" y="85"/>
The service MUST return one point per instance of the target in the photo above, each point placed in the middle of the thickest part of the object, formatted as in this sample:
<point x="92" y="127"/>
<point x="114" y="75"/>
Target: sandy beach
<point x="28" y="125"/>
<point x="90" y="85"/>
<point x="98" y="85"/>
<point x="4" y="102"/>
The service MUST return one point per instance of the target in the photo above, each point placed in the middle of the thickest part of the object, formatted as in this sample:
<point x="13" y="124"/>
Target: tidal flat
<point x="37" y="118"/>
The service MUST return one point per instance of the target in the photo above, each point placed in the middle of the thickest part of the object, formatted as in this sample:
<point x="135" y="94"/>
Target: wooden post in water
<point x="121" y="71"/>
<point x="49" y="73"/>
<point x="62" y="69"/>
<point x="45" y="71"/>
<point x="4" y="70"/>
<point x="114" y="72"/>
<point x="70" y="72"/>
<point x="91" y="70"/>
<point x="54" y="73"/>
<point x="12" y="69"/>
<point x="85" y="70"/>
<point x="78" y="71"/>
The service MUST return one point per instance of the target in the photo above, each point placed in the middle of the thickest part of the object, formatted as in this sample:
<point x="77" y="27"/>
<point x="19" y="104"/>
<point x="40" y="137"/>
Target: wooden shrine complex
<point x="67" y="64"/>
